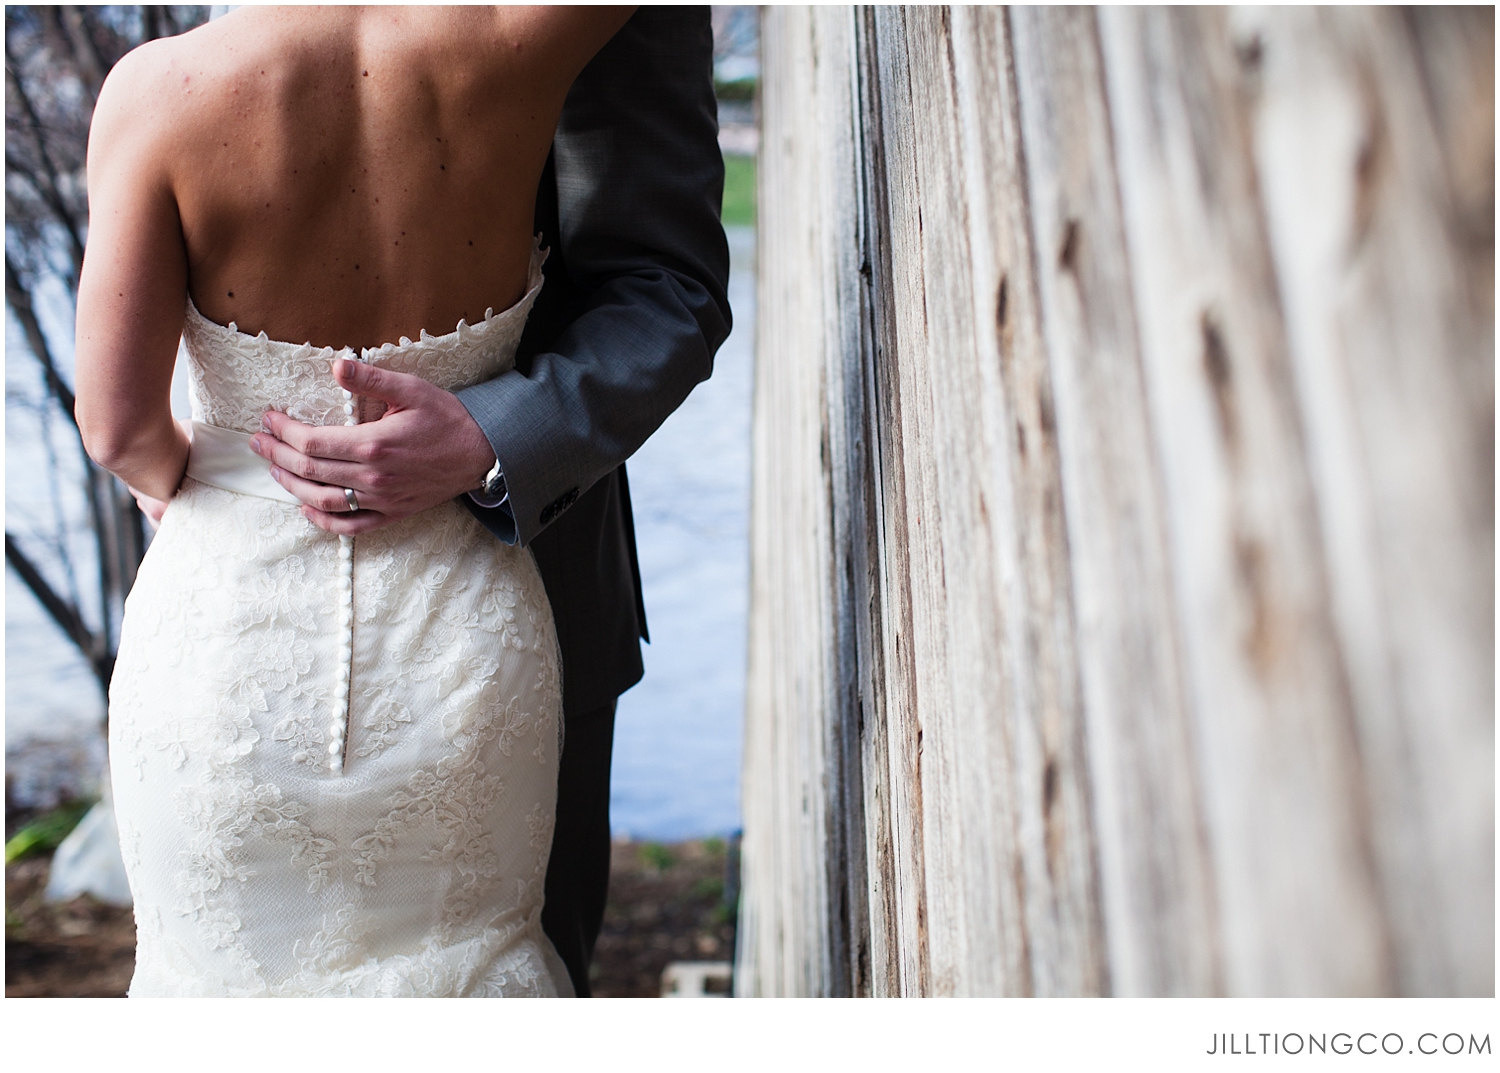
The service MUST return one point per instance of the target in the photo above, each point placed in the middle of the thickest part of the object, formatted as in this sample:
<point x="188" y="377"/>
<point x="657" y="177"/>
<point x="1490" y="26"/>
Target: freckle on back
<point x="371" y="178"/>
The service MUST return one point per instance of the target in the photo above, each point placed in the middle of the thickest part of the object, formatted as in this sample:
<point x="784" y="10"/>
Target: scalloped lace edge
<point x="464" y="332"/>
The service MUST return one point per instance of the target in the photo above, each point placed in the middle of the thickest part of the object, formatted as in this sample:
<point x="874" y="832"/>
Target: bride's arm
<point x="133" y="288"/>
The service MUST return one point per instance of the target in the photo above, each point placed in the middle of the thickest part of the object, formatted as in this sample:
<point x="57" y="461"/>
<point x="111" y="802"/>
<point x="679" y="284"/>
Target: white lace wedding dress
<point x="334" y="760"/>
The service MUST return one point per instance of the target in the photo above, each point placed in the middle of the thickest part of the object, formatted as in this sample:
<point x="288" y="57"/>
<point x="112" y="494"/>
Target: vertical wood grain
<point x="1122" y="536"/>
<point x="1301" y="911"/>
<point x="1373" y="135"/>
<point x="1160" y="901"/>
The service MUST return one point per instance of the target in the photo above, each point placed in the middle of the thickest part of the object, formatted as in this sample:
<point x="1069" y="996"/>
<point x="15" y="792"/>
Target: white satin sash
<point x="222" y="457"/>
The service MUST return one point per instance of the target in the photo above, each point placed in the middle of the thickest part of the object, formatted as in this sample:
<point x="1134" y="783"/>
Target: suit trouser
<point x="578" y="869"/>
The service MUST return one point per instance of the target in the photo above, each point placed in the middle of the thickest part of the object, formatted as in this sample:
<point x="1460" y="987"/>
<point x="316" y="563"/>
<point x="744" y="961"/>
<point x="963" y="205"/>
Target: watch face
<point x="494" y="481"/>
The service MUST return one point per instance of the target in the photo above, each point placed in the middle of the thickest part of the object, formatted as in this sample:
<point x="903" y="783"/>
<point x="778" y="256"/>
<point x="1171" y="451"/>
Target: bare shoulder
<point x="582" y="26"/>
<point x="143" y="99"/>
<point x="132" y="90"/>
<point x="164" y="97"/>
<point x="572" y="33"/>
<point x="498" y="38"/>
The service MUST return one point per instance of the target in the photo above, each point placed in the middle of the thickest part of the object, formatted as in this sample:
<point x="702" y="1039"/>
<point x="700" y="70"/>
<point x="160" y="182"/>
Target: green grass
<point x="655" y="855"/>
<point x="743" y="90"/>
<point x="708" y="887"/>
<point x="739" y="190"/>
<point x="45" y="832"/>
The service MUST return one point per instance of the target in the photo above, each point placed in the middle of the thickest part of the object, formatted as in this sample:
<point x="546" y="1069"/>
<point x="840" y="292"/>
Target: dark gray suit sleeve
<point x="639" y="185"/>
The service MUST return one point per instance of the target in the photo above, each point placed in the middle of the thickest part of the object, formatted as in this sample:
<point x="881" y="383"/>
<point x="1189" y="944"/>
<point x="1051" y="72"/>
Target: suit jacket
<point x="633" y="309"/>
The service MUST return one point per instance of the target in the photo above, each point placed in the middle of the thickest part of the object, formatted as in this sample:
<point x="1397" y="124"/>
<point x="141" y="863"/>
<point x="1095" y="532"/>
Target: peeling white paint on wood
<point x="1122" y="612"/>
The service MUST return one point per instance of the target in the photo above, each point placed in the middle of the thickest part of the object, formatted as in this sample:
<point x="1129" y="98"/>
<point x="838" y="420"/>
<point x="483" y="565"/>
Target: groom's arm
<point x="639" y="182"/>
<point x="639" y="185"/>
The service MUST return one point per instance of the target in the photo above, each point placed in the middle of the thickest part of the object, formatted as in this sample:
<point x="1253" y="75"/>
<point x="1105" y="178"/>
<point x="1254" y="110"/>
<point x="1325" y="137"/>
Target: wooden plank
<point x="1299" y="902"/>
<point x="870" y="607"/>
<point x="971" y="870"/>
<point x="905" y="563"/>
<point x="1373" y="139"/>
<point x="784" y="913"/>
<point x="1158" y="893"/>
<point x="1048" y="779"/>
<point x="1008" y="855"/>
<point x="850" y="471"/>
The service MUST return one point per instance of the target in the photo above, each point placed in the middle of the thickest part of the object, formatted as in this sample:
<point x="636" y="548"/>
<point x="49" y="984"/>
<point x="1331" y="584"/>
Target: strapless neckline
<point x="236" y="376"/>
<point x="463" y="333"/>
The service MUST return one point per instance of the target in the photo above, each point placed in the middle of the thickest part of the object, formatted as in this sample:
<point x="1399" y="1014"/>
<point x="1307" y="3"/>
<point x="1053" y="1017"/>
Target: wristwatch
<point x="493" y="486"/>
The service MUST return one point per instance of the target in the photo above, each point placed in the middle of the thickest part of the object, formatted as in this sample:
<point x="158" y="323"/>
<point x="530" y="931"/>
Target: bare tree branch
<point x="62" y="612"/>
<point x="49" y="190"/>
<point x="56" y="59"/>
<point x="19" y="300"/>
<point x="91" y="65"/>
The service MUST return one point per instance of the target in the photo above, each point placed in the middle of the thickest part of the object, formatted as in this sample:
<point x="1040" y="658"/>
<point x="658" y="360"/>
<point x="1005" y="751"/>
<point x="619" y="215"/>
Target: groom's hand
<point x="425" y="450"/>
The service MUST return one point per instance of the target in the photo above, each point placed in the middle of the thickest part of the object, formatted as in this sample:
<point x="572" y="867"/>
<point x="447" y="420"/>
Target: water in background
<point x="677" y="733"/>
<point x="54" y="708"/>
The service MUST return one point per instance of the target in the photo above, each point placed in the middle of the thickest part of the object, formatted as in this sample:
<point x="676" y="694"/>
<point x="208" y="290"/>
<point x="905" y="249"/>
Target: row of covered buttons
<point x="338" y="728"/>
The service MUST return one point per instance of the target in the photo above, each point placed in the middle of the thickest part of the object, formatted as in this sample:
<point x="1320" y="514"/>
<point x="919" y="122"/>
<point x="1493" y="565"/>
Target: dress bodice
<point x="237" y="377"/>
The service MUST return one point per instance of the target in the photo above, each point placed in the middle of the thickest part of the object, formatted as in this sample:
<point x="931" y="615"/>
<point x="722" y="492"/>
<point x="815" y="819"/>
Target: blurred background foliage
<point x="73" y="535"/>
<point x="56" y="58"/>
<point x="739" y="190"/>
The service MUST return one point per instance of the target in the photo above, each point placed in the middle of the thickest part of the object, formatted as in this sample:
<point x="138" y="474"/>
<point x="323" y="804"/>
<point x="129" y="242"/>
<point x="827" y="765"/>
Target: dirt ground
<point x="77" y="949"/>
<point x="666" y="904"/>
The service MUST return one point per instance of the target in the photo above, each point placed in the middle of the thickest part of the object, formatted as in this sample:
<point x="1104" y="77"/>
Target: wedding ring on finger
<point x="351" y="499"/>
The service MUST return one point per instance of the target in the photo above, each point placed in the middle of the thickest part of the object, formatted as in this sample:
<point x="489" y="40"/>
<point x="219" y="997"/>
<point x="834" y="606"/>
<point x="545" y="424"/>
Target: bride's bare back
<point x="341" y="176"/>
<point x="346" y="176"/>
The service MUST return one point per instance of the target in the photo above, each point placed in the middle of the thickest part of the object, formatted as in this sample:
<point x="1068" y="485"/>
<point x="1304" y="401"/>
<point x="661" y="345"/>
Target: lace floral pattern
<point x="259" y="868"/>
<point x="236" y="377"/>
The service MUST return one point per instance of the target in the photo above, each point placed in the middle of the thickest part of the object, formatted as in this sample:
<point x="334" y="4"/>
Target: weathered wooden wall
<point x="1123" y="535"/>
